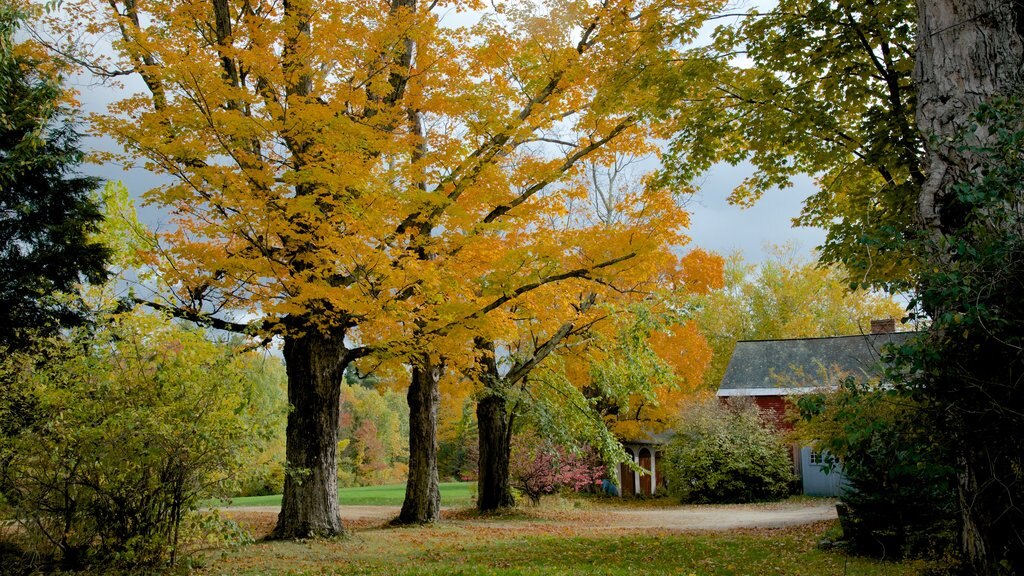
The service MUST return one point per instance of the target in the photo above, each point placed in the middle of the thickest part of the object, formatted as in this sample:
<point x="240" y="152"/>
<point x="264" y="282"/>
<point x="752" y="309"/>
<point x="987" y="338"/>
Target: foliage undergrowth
<point x="123" y="428"/>
<point x="900" y="497"/>
<point x="966" y="372"/>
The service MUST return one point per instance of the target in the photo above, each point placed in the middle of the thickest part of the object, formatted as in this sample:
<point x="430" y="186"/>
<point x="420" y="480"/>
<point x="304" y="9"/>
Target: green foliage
<point x="900" y="498"/>
<point x="826" y="92"/>
<point x="726" y="454"/>
<point x="458" y="454"/>
<point x="373" y="436"/>
<point x="129" y="425"/>
<point x="621" y="372"/>
<point x="966" y="373"/>
<point x="263" y="471"/>
<point x="47" y="215"/>
<point x="631" y="369"/>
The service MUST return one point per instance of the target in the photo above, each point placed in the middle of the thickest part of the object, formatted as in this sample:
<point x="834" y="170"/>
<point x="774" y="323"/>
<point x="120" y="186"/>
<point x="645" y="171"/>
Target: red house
<point x="769" y="371"/>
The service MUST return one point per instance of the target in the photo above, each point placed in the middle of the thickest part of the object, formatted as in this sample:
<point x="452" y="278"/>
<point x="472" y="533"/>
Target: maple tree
<point x="564" y="318"/>
<point x="360" y="178"/>
<point x="610" y="383"/>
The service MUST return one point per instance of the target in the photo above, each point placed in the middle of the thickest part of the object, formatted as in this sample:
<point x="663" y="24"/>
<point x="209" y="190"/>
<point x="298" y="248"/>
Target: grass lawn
<point x="525" y="545"/>
<point x="452" y="494"/>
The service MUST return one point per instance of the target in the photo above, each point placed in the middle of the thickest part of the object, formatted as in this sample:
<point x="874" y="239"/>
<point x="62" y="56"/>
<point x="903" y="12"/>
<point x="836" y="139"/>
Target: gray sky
<point x="721" y="227"/>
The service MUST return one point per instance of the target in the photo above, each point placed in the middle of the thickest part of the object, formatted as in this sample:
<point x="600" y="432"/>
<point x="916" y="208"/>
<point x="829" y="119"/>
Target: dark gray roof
<point x="769" y="367"/>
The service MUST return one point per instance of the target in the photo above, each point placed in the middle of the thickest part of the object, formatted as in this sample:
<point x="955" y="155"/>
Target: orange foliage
<point x="325" y="174"/>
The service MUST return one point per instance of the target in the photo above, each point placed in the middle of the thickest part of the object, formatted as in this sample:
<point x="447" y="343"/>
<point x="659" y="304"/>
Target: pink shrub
<point x="540" y="467"/>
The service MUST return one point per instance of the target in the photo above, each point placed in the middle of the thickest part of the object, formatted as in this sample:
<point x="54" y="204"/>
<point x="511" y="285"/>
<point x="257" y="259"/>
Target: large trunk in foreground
<point x="422" y="491"/>
<point x="970" y="52"/>
<point x="310" y="504"/>
<point x="495" y="428"/>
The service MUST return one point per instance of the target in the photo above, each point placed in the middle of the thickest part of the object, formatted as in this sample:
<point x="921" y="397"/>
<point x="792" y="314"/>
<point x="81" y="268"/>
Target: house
<point x="647" y="453"/>
<point x="768" y="372"/>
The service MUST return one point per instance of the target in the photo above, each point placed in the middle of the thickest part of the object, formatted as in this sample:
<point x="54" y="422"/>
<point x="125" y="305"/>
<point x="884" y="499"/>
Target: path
<point x="723" y="517"/>
<point x="601" y="518"/>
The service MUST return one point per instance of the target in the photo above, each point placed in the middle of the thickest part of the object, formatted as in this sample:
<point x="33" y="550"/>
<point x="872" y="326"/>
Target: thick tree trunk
<point x="969" y="52"/>
<point x="494" y="490"/>
<point x="422" y="492"/>
<point x="310" y="504"/>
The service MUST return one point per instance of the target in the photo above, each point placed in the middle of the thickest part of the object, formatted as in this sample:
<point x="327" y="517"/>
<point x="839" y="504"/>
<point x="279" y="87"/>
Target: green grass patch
<point x="517" y="547"/>
<point x="452" y="494"/>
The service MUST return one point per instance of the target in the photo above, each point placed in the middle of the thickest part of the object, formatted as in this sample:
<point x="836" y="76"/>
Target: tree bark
<point x="309" y="508"/>
<point x="494" y="490"/>
<point x="969" y="52"/>
<point x="494" y="420"/>
<point x="422" y="492"/>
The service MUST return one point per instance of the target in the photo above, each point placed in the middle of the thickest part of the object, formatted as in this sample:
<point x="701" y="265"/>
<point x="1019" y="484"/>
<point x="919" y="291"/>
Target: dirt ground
<point x="594" y="519"/>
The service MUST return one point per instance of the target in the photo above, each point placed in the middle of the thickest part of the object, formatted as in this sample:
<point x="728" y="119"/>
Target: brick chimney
<point x="884" y="326"/>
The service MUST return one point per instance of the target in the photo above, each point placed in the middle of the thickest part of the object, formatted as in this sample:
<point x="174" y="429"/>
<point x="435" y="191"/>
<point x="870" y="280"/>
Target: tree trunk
<point x="422" y="493"/>
<point x="495" y="430"/>
<point x="310" y="504"/>
<point x="969" y="52"/>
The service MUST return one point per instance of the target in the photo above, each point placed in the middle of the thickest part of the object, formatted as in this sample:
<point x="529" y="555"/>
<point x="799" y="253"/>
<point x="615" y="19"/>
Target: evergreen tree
<point x="46" y="212"/>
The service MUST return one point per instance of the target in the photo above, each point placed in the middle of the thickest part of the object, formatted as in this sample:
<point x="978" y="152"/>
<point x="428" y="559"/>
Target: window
<point x="822" y="458"/>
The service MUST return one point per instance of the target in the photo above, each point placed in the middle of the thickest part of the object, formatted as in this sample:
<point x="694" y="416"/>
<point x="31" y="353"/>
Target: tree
<point x="969" y="74"/>
<point x="47" y="215"/>
<point x="947" y="227"/>
<point x="618" y="203"/>
<point x="615" y="350"/>
<point x="339" y="178"/>
<point x="784" y="297"/>
<point x="827" y="92"/>
<point x="587" y="397"/>
<point x="965" y="371"/>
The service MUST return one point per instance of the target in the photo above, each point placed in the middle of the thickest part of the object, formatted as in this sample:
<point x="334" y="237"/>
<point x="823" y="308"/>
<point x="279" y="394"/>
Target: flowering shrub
<point x="540" y="467"/>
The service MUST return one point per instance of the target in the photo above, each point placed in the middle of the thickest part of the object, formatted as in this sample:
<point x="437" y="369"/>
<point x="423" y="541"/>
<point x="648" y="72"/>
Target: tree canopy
<point x="820" y="88"/>
<point x="340" y="179"/>
<point x="784" y="297"/>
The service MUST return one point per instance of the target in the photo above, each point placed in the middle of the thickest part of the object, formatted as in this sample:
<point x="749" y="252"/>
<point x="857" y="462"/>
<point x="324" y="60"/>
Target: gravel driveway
<point x="674" y="518"/>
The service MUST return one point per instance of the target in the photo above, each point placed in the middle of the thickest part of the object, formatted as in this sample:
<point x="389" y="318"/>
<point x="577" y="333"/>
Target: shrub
<point x="726" y="454"/>
<point x="901" y="496"/>
<point x="540" y="467"/>
<point x="132" y="423"/>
